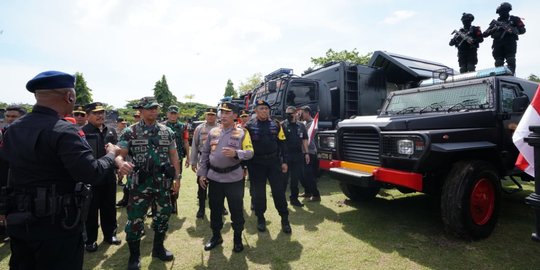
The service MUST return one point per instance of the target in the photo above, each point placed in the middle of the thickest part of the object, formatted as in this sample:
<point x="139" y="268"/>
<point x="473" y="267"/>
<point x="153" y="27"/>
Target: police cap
<point x="244" y="113"/>
<point x="79" y="109"/>
<point x="210" y="110"/>
<point x="262" y="102"/>
<point x="94" y="107"/>
<point x="228" y="107"/>
<point x="50" y="80"/>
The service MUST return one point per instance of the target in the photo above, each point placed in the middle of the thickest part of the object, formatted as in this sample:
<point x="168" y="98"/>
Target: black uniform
<point x="467" y="41"/>
<point x="270" y="152"/>
<point x="296" y="133"/>
<point x="47" y="156"/>
<point x="505" y="31"/>
<point x="104" y="192"/>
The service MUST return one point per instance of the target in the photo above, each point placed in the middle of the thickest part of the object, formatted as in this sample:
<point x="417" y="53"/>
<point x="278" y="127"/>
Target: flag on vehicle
<point x="313" y="127"/>
<point x="531" y="117"/>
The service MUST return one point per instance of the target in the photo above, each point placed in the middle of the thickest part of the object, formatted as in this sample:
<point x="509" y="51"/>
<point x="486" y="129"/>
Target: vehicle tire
<point x="357" y="193"/>
<point x="470" y="199"/>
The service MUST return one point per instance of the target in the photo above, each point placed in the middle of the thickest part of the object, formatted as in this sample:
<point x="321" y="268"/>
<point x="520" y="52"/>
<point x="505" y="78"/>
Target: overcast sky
<point x="124" y="47"/>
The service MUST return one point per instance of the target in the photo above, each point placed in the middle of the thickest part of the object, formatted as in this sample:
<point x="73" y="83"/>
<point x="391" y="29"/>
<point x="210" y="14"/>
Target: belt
<point x="224" y="170"/>
<point x="267" y="156"/>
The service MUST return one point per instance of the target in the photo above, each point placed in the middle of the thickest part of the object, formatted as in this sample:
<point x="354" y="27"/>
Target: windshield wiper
<point x="436" y="106"/>
<point x="407" y="110"/>
<point x="463" y="104"/>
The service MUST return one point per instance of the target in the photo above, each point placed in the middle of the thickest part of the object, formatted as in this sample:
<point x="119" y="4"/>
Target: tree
<point x="189" y="97"/>
<point x="229" y="90"/>
<point x="333" y="56"/>
<point x="163" y="94"/>
<point x="533" y="78"/>
<point x="250" y="83"/>
<point x="84" y="93"/>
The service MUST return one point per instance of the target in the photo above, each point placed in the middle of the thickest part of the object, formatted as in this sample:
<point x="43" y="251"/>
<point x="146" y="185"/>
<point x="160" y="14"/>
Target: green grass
<point x="394" y="231"/>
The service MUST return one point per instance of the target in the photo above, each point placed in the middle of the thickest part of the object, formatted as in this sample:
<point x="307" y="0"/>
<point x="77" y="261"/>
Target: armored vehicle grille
<point x="360" y="145"/>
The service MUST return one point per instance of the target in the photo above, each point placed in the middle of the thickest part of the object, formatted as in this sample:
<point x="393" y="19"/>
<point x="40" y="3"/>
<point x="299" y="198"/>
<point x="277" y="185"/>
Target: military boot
<point x="238" y="246"/>
<point x="134" y="262"/>
<point x="159" y="250"/>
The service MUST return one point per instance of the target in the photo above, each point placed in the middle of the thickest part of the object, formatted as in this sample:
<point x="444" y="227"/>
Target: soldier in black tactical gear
<point x="505" y="31"/>
<point x="467" y="41"/>
<point x="47" y="157"/>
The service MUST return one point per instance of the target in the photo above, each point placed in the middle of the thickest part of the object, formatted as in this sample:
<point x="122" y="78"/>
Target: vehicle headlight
<point x="409" y="146"/>
<point x="405" y="147"/>
<point x="327" y="142"/>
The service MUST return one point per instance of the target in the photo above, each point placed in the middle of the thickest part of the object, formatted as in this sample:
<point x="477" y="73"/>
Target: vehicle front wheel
<point x="357" y="193"/>
<point x="470" y="199"/>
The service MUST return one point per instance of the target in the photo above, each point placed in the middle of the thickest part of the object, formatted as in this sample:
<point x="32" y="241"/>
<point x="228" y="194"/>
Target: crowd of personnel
<point x="61" y="164"/>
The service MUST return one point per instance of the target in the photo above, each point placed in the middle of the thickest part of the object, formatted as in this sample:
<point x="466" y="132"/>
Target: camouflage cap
<point x="148" y="102"/>
<point x="173" y="108"/>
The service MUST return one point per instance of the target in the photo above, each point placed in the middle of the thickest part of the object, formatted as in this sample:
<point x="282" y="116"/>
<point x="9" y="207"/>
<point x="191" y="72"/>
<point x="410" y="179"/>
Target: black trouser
<point x="259" y="171"/>
<point x="104" y="201"/>
<point x="310" y="175"/>
<point x="201" y="194"/>
<point x="467" y="60"/>
<point x="234" y="192"/>
<point x="505" y="49"/>
<point x="295" y="173"/>
<point x="61" y="253"/>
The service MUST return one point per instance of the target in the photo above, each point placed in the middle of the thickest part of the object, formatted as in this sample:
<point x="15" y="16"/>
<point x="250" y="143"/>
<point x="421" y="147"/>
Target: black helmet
<point x="467" y="17"/>
<point x="504" y="7"/>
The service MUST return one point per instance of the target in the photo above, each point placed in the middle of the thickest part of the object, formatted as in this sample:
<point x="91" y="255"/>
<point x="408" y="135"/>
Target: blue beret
<point x="51" y="80"/>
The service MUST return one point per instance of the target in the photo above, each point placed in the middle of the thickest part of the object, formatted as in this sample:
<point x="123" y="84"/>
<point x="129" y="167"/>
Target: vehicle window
<point x="465" y="97"/>
<point x="300" y="93"/>
<point x="508" y="93"/>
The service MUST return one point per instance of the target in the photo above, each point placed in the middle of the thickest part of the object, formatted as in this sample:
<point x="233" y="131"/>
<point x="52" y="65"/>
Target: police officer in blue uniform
<point x="220" y="170"/>
<point x="104" y="193"/>
<point x="47" y="157"/>
<point x="269" y="162"/>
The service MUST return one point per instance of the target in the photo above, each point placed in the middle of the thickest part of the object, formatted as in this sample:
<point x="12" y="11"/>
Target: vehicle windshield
<point x="460" y="98"/>
<point x="301" y="93"/>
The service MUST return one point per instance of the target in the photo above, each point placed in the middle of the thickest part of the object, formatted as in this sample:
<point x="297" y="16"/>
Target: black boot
<point x="214" y="241"/>
<point x="134" y="262"/>
<point x="238" y="246"/>
<point x="124" y="201"/>
<point x="159" y="250"/>
<point x="285" y="225"/>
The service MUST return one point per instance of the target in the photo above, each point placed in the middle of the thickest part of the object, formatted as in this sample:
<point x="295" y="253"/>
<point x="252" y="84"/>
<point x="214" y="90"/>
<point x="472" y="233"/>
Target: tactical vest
<point x="264" y="136"/>
<point x="153" y="142"/>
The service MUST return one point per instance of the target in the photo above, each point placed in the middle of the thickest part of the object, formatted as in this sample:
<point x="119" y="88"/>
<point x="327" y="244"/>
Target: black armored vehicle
<point x="451" y="139"/>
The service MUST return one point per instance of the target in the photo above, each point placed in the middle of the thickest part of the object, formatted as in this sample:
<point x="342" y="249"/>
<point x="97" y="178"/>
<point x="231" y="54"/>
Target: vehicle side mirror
<point x="519" y="104"/>
<point x="272" y="86"/>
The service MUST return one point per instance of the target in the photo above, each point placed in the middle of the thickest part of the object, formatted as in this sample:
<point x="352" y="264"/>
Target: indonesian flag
<point x="531" y="117"/>
<point x="312" y="128"/>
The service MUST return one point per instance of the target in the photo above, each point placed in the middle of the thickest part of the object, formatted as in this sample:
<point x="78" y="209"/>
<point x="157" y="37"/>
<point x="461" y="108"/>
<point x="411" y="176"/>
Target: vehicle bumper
<point x="373" y="173"/>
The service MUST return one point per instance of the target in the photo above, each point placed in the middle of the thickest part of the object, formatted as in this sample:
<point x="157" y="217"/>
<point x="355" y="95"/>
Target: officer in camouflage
<point x="156" y="167"/>
<point x="181" y="137"/>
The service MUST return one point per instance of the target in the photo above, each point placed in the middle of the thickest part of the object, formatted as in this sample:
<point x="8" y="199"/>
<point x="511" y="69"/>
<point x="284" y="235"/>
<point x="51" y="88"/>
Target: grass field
<point x="394" y="231"/>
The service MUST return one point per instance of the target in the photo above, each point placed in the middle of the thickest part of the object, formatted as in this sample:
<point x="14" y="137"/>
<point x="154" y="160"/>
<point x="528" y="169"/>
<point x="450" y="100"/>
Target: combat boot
<point x="124" y="201"/>
<point x="159" y="250"/>
<point x="134" y="262"/>
<point x="238" y="246"/>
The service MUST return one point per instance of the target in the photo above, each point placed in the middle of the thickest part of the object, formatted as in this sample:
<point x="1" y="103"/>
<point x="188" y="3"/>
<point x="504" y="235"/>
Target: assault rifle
<point x="495" y="26"/>
<point x="463" y="36"/>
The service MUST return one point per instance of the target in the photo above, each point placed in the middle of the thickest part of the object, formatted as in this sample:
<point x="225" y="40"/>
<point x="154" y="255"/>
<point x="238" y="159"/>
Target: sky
<point x="124" y="47"/>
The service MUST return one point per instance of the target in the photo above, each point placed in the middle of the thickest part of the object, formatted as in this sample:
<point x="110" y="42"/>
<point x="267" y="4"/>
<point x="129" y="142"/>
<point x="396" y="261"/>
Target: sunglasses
<point x="78" y="114"/>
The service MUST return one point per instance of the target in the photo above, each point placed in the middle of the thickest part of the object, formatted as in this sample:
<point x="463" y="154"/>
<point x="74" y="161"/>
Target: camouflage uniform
<point x="149" y="147"/>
